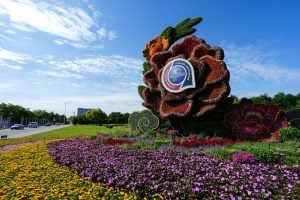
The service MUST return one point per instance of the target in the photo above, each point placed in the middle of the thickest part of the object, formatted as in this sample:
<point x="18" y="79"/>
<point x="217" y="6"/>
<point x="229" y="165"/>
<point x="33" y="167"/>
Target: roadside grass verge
<point x="69" y="132"/>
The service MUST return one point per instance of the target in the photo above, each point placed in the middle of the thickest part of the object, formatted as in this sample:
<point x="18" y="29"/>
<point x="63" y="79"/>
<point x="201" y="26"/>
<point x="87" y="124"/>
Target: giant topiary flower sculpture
<point x="183" y="92"/>
<point x="252" y="121"/>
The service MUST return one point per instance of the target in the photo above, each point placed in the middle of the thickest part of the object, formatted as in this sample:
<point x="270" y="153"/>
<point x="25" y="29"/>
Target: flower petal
<point x="175" y="108"/>
<point x="217" y="70"/>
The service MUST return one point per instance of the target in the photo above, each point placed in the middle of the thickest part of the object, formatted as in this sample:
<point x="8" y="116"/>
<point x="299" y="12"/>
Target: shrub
<point x="289" y="133"/>
<point x="144" y="121"/>
<point x="151" y="134"/>
<point x="243" y="158"/>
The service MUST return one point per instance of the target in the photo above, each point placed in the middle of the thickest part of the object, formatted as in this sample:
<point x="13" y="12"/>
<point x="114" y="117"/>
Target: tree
<point x="96" y="116"/>
<point x="235" y="99"/>
<point x="263" y="98"/>
<point x="115" y="118"/>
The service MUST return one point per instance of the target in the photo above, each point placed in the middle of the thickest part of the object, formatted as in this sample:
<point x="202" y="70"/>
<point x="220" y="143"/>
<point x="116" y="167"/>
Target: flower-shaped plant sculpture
<point x="186" y="80"/>
<point x="252" y="121"/>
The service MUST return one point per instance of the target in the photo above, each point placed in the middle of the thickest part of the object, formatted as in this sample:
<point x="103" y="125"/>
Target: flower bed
<point x="195" y="142"/>
<point x="175" y="174"/>
<point x="29" y="173"/>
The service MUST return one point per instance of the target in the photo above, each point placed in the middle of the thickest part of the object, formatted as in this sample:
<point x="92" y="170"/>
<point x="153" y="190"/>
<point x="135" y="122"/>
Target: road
<point x="29" y="131"/>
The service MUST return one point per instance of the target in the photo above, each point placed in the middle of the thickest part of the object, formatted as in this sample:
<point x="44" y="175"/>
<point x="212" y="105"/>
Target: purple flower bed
<point x="243" y="158"/>
<point x="176" y="174"/>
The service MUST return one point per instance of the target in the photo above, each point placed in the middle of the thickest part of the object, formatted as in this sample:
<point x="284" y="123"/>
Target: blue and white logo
<point x="178" y="75"/>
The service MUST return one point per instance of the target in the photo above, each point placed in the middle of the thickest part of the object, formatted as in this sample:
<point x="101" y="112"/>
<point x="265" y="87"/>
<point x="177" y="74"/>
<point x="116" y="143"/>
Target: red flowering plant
<point x="211" y="76"/>
<point x="252" y="121"/>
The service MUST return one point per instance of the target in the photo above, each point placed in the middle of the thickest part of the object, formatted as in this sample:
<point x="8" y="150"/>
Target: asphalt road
<point x="29" y="131"/>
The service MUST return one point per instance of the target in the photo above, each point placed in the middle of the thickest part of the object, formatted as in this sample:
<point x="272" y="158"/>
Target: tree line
<point x="284" y="101"/>
<point x="97" y="116"/>
<point x="16" y="112"/>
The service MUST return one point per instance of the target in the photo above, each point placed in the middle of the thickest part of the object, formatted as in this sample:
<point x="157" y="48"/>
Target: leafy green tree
<point x="96" y="116"/>
<point x="235" y="99"/>
<point x="285" y="102"/>
<point x="263" y="98"/>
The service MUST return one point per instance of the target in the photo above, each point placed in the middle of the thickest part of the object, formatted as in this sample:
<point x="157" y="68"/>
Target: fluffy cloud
<point x="255" y="61"/>
<point x="7" y="56"/>
<point x="70" y="23"/>
<point x="103" y="33"/>
<point x="113" y="66"/>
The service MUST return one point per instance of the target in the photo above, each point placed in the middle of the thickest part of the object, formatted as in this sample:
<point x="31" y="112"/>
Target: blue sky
<point x="88" y="53"/>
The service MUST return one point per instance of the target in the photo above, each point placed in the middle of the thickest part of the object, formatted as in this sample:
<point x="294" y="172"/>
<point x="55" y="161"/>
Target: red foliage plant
<point x="252" y="121"/>
<point x="195" y="142"/>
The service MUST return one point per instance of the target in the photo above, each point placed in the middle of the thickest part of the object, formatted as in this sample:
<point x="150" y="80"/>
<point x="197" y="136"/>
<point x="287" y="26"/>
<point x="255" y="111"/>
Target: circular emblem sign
<point x="178" y="75"/>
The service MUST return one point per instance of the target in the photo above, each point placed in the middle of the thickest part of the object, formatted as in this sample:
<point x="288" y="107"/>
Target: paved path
<point x="29" y="131"/>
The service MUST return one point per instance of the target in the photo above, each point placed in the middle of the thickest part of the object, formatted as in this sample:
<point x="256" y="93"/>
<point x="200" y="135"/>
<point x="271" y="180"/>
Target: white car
<point x="33" y="125"/>
<point x="17" y="127"/>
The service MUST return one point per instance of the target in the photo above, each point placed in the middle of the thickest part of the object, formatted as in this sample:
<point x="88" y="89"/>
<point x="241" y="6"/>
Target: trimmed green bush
<point x="289" y="134"/>
<point x="143" y="121"/>
<point x="133" y="120"/>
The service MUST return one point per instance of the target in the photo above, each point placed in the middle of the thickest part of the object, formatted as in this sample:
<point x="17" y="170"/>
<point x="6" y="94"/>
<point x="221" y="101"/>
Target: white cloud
<point x="59" y="74"/>
<point x="114" y="66"/>
<point x="6" y="38"/>
<point x="111" y="35"/>
<point x="77" y="45"/>
<point x="6" y="55"/>
<point x="103" y="33"/>
<point x="256" y="61"/>
<point x="2" y="24"/>
<point x="10" y="66"/>
<point x="71" y="23"/>
<point x="58" y="42"/>
<point x="10" y="32"/>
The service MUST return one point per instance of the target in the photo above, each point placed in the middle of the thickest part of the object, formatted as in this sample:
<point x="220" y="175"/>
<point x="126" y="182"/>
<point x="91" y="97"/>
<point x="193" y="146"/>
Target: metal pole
<point x="65" y="112"/>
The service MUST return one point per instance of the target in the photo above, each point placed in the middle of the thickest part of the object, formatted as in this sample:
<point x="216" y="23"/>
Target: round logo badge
<point x="178" y="75"/>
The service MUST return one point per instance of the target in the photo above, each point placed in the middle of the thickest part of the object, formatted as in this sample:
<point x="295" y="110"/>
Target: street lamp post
<point x="65" y="112"/>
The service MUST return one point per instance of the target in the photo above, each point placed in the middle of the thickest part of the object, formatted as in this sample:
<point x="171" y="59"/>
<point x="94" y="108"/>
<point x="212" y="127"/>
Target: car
<point x="33" y="125"/>
<point x="48" y="124"/>
<point x="17" y="127"/>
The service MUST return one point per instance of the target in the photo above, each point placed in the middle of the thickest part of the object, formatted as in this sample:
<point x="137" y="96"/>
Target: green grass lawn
<point x="69" y="132"/>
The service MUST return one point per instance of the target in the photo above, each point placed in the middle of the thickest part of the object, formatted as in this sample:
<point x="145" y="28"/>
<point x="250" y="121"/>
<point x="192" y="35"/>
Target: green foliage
<point x="150" y="134"/>
<point x="144" y="145"/>
<point x="289" y="134"/>
<point x="276" y="153"/>
<point x="117" y="118"/>
<point x="147" y="121"/>
<point x="263" y="98"/>
<point x="162" y="141"/>
<point x="71" y="132"/>
<point x="284" y="101"/>
<point x="133" y="120"/>
<point x="146" y="67"/>
<point x="143" y="121"/>
<point x="16" y="112"/>
<point x="292" y="114"/>
<point x="181" y="30"/>
<point x="95" y="116"/>
<point x="140" y="90"/>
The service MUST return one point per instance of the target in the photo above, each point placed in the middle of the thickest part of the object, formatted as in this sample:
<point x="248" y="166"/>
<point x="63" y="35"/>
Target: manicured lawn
<point x="68" y="132"/>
